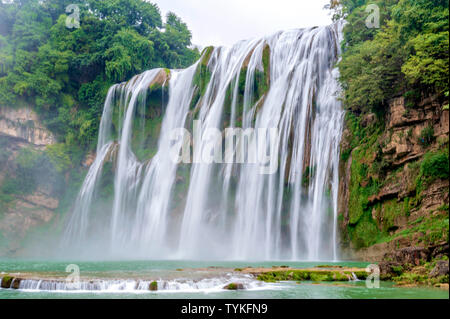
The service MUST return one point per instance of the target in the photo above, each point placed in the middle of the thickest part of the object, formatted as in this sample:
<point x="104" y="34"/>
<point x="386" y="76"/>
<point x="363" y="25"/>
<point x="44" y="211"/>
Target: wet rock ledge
<point x="319" y="273"/>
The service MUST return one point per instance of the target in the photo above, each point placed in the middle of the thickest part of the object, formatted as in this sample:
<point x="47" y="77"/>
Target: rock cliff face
<point x="24" y="123"/>
<point x="393" y="205"/>
<point x="26" y="201"/>
<point x="394" y="188"/>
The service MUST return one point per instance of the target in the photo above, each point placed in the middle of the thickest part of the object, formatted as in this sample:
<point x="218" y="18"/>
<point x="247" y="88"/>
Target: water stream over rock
<point x="228" y="210"/>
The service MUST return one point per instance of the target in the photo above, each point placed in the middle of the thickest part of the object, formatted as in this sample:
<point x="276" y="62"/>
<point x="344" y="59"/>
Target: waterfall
<point x="228" y="209"/>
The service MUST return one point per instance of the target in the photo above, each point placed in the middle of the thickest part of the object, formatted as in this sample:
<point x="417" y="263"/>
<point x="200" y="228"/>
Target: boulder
<point x="368" y="119"/>
<point x="234" y="286"/>
<point x="6" y="281"/>
<point x="153" y="286"/>
<point x="441" y="269"/>
<point x="411" y="255"/>
<point x="389" y="269"/>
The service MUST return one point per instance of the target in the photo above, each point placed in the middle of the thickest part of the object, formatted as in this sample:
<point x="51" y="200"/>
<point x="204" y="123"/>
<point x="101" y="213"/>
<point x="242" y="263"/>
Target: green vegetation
<point x="203" y="74"/>
<point x="367" y="172"/>
<point x="262" y="79"/>
<point x="364" y="232"/>
<point x="365" y="180"/>
<point x="428" y="229"/>
<point x="308" y="174"/>
<point x="408" y="53"/>
<point x="64" y="73"/>
<point x="393" y="209"/>
<point x="310" y="275"/>
<point x="266" y="62"/>
<point x="146" y="127"/>
<point x="260" y="86"/>
<point x="33" y="168"/>
<point x="59" y="155"/>
<point x="419" y="275"/>
<point x="434" y="165"/>
<point x="234" y="286"/>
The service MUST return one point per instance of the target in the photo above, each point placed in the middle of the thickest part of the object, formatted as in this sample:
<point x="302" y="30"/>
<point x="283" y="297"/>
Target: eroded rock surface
<point x="23" y="122"/>
<point x="397" y="221"/>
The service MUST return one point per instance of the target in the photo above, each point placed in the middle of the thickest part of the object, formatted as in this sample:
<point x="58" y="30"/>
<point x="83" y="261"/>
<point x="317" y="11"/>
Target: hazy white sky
<point x="224" y="22"/>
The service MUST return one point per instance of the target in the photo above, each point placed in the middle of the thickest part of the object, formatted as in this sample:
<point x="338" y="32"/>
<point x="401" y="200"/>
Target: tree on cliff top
<point x="65" y="72"/>
<point x="408" y="54"/>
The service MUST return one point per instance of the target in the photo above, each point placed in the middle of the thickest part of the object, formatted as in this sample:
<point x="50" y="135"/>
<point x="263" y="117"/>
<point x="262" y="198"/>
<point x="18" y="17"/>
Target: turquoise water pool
<point x="193" y="279"/>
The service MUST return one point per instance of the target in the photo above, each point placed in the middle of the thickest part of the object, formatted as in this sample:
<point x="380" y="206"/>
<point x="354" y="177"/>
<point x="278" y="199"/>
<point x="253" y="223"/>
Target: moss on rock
<point x="310" y="275"/>
<point x="153" y="286"/>
<point x="15" y="284"/>
<point x="6" y="281"/>
<point x="202" y="76"/>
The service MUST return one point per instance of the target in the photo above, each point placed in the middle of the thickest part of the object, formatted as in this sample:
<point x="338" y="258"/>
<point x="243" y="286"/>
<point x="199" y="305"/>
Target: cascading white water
<point x="231" y="210"/>
<point x="128" y="168"/>
<point x="215" y="284"/>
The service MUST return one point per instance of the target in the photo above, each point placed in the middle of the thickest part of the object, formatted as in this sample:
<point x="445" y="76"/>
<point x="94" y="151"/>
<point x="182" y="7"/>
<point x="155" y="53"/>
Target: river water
<point x="188" y="279"/>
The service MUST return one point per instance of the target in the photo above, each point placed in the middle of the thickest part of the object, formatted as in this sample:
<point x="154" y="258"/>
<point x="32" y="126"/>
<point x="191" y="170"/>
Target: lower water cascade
<point x="161" y="209"/>
<point x="136" y="285"/>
